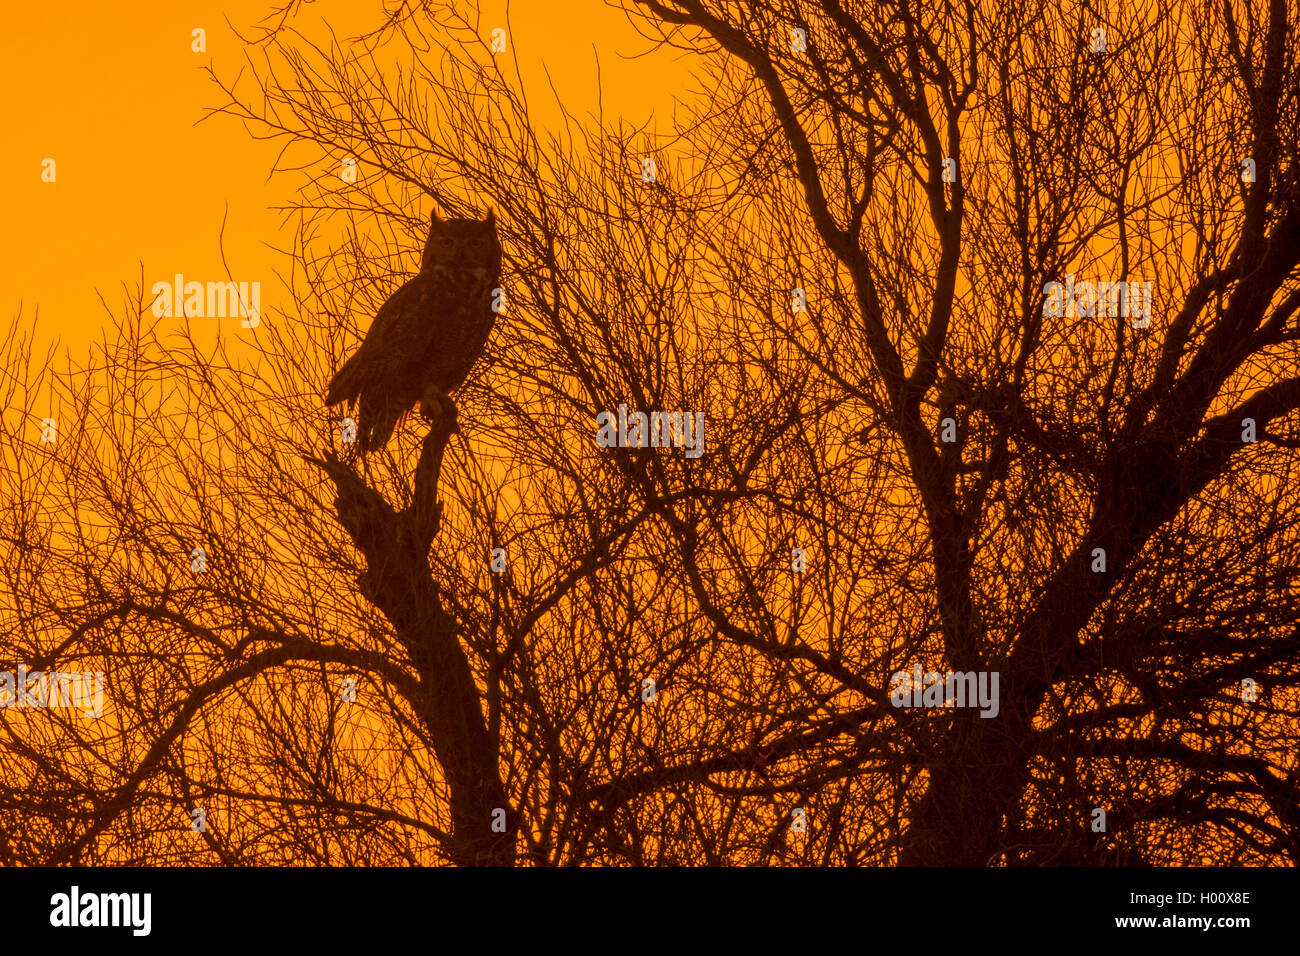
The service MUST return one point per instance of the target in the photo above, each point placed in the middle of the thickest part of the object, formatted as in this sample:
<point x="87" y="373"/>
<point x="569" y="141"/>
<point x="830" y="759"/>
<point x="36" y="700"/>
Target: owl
<point x="428" y="334"/>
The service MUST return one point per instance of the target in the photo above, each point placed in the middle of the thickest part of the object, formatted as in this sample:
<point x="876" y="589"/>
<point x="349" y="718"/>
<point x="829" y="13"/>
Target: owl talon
<point x="435" y="404"/>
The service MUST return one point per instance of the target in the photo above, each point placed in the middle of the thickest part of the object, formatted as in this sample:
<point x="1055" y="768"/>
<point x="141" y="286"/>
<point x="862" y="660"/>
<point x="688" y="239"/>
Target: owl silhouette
<point x="429" y="333"/>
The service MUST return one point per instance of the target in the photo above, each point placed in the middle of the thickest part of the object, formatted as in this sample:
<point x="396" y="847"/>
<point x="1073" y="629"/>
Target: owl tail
<point x="347" y="382"/>
<point x="376" y="424"/>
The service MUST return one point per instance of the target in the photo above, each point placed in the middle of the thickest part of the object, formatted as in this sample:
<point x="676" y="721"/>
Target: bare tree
<point x="915" y="454"/>
<point x="1099" y="476"/>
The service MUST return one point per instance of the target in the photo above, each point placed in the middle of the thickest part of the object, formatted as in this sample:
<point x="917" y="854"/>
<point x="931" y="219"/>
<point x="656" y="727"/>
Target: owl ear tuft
<point x="491" y="218"/>
<point x="436" y="217"/>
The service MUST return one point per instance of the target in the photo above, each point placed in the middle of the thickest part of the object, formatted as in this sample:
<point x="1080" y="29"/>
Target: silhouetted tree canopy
<point x="916" y="454"/>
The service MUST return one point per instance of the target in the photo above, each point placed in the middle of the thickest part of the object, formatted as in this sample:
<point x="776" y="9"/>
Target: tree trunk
<point x="399" y="582"/>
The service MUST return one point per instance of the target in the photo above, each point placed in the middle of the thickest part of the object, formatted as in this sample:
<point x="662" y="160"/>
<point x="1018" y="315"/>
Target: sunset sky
<point x="115" y="96"/>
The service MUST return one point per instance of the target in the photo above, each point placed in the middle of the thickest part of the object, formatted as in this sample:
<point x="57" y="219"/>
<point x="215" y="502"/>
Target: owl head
<point x="462" y="243"/>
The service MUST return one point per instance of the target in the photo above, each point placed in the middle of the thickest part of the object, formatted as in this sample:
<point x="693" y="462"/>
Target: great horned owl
<point x="428" y="334"/>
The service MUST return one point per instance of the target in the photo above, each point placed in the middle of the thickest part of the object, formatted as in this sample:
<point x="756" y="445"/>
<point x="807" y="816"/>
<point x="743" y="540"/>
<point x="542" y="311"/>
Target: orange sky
<point x="114" y="93"/>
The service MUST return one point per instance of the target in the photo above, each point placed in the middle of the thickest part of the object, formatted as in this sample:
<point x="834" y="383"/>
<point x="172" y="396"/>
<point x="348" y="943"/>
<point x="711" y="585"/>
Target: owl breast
<point x="465" y="329"/>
